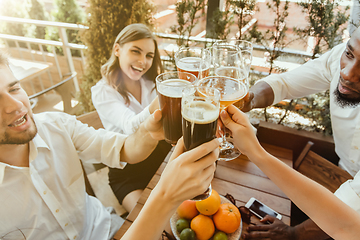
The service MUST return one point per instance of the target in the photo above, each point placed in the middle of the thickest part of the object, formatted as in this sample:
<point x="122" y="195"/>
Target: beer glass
<point x="228" y="62"/>
<point x="193" y="60"/>
<point x="245" y="47"/>
<point x="200" y="113"/>
<point x="231" y="91"/>
<point x="169" y="87"/>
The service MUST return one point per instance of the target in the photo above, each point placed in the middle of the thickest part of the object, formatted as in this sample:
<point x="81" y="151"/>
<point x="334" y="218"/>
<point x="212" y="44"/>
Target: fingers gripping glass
<point x="231" y="91"/>
<point x="169" y="87"/>
<point x="200" y="112"/>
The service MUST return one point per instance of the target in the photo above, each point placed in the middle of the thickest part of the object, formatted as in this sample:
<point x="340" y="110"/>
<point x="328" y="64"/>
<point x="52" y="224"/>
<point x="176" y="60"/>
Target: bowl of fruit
<point x="214" y="218"/>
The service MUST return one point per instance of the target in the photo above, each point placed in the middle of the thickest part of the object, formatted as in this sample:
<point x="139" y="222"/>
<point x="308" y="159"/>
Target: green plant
<point x="13" y="9"/>
<point x="67" y="11"/>
<point x="318" y="109"/>
<point x="37" y="12"/>
<point x="188" y="14"/>
<point x="274" y="39"/>
<point x="244" y="10"/>
<point x="326" y="21"/>
<point x="220" y="22"/>
<point x="105" y="20"/>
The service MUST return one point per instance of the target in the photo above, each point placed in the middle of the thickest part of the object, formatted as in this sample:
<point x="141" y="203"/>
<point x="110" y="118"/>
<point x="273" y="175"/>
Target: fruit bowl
<point x="232" y="236"/>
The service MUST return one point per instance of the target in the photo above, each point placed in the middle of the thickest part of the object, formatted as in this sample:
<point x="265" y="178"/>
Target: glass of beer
<point x="169" y="87"/>
<point x="228" y="62"/>
<point x="245" y="47"/>
<point x="200" y="107"/>
<point x="231" y="91"/>
<point x="193" y="60"/>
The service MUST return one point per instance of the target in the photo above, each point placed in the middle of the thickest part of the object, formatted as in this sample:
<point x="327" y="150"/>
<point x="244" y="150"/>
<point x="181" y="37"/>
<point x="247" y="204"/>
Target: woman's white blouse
<point x="115" y="115"/>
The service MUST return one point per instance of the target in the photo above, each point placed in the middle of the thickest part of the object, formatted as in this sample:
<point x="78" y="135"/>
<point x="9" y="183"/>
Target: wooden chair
<point x="65" y="89"/>
<point x="319" y="169"/>
<point x="93" y="120"/>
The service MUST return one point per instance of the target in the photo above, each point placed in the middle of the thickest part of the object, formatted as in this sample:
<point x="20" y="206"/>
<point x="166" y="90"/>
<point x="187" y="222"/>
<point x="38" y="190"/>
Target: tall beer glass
<point x="193" y="60"/>
<point x="245" y="47"/>
<point x="231" y="91"/>
<point x="199" y="119"/>
<point x="228" y="63"/>
<point x="169" y="88"/>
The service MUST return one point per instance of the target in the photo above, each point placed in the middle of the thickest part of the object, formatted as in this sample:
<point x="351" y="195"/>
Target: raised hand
<point x="153" y="125"/>
<point x="189" y="174"/>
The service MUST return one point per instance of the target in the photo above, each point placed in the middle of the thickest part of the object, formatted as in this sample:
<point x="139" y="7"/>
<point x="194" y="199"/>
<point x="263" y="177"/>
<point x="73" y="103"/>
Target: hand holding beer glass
<point x="169" y="86"/>
<point x="193" y="60"/>
<point x="231" y="91"/>
<point x="200" y="107"/>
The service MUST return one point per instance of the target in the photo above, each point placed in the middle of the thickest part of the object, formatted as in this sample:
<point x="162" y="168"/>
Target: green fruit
<point x="187" y="234"/>
<point x="220" y="236"/>
<point x="182" y="224"/>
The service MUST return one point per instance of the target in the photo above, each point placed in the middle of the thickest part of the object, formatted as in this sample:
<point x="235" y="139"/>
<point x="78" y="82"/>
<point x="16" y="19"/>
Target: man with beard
<point x="339" y="71"/>
<point x="42" y="189"/>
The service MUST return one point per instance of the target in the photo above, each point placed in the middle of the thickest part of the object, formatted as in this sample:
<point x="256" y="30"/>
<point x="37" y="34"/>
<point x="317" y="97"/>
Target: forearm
<point x="263" y="95"/>
<point x="308" y="230"/>
<point x="152" y="219"/>
<point x="325" y="209"/>
<point x="138" y="146"/>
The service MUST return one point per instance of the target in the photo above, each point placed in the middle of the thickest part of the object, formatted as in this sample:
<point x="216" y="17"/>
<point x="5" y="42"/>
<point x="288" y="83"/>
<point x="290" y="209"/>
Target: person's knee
<point x="131" y="199"/>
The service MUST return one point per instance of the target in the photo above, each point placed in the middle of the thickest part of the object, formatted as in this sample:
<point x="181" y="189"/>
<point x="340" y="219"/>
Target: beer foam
<point x="200" y="112"/>
<point x="172" y="87"/>
<point x="190" y="64"/>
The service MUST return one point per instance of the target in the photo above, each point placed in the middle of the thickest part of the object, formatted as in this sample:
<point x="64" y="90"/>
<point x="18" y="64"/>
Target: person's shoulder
<point x="147" y="83"/>
<point x="53" y="118"/>
<point x="100" y="85"/>
<point x="338" y="49"/>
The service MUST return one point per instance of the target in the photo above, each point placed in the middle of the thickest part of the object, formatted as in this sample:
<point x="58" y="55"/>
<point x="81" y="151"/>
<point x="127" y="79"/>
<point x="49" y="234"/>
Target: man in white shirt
<point x="339" y="71"/>
<point x="42" y="190"/>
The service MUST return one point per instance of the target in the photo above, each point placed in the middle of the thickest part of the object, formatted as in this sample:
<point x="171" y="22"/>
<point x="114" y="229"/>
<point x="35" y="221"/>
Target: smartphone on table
<point x="261" y="210"/>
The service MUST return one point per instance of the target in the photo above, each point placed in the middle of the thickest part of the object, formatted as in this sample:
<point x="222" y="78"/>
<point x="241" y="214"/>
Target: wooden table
<point x="26" y="70"/>
<point x="240" y="178"/>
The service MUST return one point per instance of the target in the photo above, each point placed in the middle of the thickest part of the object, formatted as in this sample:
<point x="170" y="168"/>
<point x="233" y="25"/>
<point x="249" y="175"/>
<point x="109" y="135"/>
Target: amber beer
<point x="170" y="92"/>
<point x="232" y="90"/>
<point x="193" y="65"/>
<point x="199" y="121"/>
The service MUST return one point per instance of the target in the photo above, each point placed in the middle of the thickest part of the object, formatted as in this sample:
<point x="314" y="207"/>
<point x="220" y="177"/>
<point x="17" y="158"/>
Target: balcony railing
<point x="66" y="46"/>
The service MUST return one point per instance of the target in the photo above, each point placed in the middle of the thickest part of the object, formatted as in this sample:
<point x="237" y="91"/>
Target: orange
<point x="210" y="205"/>
<point x="203" y="227"/>
<point x="187" y="209"/>
<point x="227" y="218"/>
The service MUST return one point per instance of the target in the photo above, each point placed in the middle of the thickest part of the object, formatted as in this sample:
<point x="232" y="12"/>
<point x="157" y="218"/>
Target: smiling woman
<point x="124" y="98"/>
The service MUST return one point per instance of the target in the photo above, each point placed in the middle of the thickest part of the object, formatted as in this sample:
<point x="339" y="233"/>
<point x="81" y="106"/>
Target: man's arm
<point x="139" y="145"/>
<point x="260" y="95"/>
<point x="278" y="230"/>
<point x="311" y="77"/>
<point x="186" y="175"/>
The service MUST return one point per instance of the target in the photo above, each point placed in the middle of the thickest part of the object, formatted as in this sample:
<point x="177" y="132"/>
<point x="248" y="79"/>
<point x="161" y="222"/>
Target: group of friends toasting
<point x="206" y="82"/>
<point x="192" y="99"/>
<point x="41" y="183"/>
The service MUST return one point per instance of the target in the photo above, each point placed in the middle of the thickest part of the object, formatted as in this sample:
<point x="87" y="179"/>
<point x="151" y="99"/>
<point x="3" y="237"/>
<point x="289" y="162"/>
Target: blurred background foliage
<point x="67" y="11"/>
<point x="106" y="18"/>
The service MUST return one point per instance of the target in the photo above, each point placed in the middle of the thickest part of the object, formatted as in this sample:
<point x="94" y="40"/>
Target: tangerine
<point x="203" y="227"/>
<point x="210" y="205"/>
<point x="227" y="218"/>
<point x="187" y="209"/>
